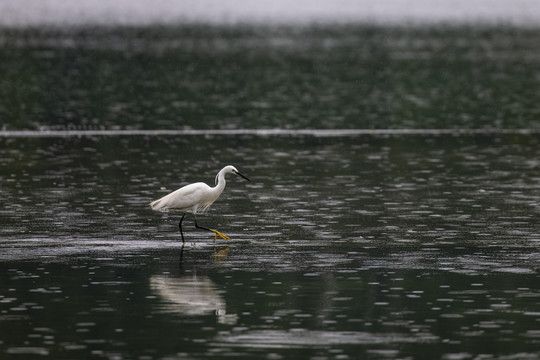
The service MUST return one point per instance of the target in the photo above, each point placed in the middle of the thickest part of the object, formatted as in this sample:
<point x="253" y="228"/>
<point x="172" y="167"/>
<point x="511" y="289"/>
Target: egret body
<point x="196" y="198"/>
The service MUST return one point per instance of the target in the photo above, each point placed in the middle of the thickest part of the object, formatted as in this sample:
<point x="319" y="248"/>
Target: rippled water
<point x="419" y="246"/>
<point x="417" y="240"/>
<point x="218" y="77"/>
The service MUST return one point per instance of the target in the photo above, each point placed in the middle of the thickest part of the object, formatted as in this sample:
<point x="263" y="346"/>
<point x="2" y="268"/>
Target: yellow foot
<point x="223" y="236"/>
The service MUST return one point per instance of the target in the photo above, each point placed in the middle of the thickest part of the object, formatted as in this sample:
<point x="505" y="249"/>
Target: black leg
<point x="180" y="263"/>
<point x="201" y="227"/>
<point x="180" y="227"/>
<point x="214" y="231"/>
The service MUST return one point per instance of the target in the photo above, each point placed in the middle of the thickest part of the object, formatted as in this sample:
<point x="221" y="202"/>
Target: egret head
<point x="230" y="169"/>
<point x="234" y="171"/>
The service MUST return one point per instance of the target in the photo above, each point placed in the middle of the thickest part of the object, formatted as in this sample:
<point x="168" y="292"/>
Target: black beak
<point x="245" y="177"/>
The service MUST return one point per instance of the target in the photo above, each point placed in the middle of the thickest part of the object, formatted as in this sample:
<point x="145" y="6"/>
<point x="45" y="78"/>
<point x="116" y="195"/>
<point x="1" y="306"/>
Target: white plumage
<point x="195" y="198"/>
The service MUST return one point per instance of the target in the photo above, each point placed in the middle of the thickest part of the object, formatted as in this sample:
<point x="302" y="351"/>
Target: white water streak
<point x="264" y="132"/>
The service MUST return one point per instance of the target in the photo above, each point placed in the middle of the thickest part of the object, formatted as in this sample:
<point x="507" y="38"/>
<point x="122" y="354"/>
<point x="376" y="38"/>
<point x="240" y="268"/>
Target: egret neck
<point x="220" y="183"/>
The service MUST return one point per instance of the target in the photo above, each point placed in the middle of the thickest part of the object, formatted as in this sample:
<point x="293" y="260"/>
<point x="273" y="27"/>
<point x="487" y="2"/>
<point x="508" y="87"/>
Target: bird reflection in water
<point x="221" y="255"/>
<point x="192" y="295"/>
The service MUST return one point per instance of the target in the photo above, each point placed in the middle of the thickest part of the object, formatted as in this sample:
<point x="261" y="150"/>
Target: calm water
<point x="401" y="245"/>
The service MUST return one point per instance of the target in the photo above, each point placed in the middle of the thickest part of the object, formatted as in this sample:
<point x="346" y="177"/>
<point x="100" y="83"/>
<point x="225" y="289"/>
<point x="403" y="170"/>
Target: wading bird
<point x="195" y="198"/>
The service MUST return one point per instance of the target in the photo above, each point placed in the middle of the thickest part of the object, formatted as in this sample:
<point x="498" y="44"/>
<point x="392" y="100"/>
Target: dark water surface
<point x="219" y="77"/>
<point x="376" y="247"/>
<point x="388" y="245"/>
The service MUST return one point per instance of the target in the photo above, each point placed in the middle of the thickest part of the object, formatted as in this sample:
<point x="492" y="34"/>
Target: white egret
<point x="196" y="198"/>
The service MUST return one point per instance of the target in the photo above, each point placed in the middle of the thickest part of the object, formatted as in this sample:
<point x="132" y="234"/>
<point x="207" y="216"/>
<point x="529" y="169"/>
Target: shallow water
<point x="417" y="240"/>
<point x="370" y="246"/>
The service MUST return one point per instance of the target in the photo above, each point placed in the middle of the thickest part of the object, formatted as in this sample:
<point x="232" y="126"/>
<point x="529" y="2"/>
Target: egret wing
<point x="187" y="198"/>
